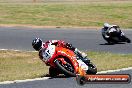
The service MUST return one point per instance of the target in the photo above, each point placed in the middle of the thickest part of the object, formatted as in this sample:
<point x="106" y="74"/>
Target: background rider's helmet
<point x="106" y="25"/>
<point x="37" y="44"/>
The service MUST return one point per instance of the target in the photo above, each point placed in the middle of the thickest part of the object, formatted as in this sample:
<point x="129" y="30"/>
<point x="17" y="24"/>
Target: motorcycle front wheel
<point x="92" y="69"/>
<point x="66" y="69"/>
<point x="53" y="72"/>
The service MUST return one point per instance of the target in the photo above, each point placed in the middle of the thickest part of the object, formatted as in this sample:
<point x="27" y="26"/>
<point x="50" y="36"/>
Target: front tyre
<point x="126" y="39"/>
<point x="92" y="69"/>
<point x="53" y="72"/>
<point x="66" y="69"/>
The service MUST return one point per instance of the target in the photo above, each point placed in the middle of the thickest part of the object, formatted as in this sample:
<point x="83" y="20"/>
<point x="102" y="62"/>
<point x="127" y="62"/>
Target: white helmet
<point x="106" y="25"/>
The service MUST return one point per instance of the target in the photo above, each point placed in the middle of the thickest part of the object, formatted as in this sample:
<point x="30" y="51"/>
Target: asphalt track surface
<point x="61" y="82"/>
<point x="85" y="39"/>
<point x="20" y="38"/>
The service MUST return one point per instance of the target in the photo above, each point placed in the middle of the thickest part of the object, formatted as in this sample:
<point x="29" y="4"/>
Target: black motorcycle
<point x="116" y="37"/>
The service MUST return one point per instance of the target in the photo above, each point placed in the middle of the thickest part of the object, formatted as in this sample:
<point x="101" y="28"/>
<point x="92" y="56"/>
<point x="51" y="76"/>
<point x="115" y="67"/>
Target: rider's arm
<point x="105" y="32"/>
<point x="57" y="42"/>
<point x="63" y="44"/>
<point x="42" y="58"/>
<point x="117" y="28"/>
<point x="40" y="55"/>
<point x="60" y="43"/>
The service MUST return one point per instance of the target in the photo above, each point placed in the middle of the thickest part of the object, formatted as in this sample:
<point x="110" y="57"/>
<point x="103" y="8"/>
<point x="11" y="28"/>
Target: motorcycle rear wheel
<point x="127" y="39"/>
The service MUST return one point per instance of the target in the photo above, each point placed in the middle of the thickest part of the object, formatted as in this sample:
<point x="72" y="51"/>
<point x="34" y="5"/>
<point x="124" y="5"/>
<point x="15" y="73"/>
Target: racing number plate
<point x="48" y="53"/>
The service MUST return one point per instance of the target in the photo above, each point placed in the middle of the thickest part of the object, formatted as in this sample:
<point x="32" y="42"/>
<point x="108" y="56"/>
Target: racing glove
<point x="69" y="46"/>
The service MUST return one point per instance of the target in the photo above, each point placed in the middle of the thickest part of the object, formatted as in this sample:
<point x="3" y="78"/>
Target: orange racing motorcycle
<point x="64" y="61"/>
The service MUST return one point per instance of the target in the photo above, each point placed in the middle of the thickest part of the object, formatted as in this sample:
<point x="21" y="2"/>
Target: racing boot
<point x="82" y="56"/>
<point x="86" y="61"/>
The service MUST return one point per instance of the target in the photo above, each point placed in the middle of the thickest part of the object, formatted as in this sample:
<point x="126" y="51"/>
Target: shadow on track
<point x="59" y="76"/>
<point x="111" y="43"/>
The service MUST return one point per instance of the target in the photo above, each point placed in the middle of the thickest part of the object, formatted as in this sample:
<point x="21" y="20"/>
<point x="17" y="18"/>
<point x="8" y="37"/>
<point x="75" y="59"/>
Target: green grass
<point x="49" y="14"/>
<point x="30" y="1"/>
<point x="16" y="65"/>
<point x="20" y="65"/>
<point x="57" y="1"/>
<point x="110" y="61"/>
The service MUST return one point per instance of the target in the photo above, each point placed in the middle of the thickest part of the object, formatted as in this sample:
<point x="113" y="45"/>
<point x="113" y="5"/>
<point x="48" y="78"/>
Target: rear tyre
<point x="126" y="39"/>
<point x="53" y="72"/>
<point x="64" y="70"/>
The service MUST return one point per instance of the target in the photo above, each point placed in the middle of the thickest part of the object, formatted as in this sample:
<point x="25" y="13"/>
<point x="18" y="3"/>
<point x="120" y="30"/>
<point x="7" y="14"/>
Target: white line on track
<point x="17" y="50"/>
<point x="45" y="78"/>
<point x="27" y="80"/>
<point x="122" y="69"/>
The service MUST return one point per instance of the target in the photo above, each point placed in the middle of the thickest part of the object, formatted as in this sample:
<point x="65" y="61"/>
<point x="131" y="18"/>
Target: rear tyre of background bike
<point x="92" y="69"/>
<point x="128" y="40"/>
<point x="64" y="71"/>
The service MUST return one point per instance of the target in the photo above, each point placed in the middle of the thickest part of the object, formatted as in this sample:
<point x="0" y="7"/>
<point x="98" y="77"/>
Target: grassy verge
<point x="49" y="14"/>
<point x="22" y="65"/>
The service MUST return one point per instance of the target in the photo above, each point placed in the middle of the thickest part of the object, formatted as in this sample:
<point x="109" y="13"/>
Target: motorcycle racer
<point x="109" y="31"/>
<point x="39" y="45"/>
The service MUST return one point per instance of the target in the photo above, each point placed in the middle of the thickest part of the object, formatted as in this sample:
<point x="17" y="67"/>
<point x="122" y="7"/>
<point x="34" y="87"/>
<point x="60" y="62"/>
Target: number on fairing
<point x="49" y="52"/>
